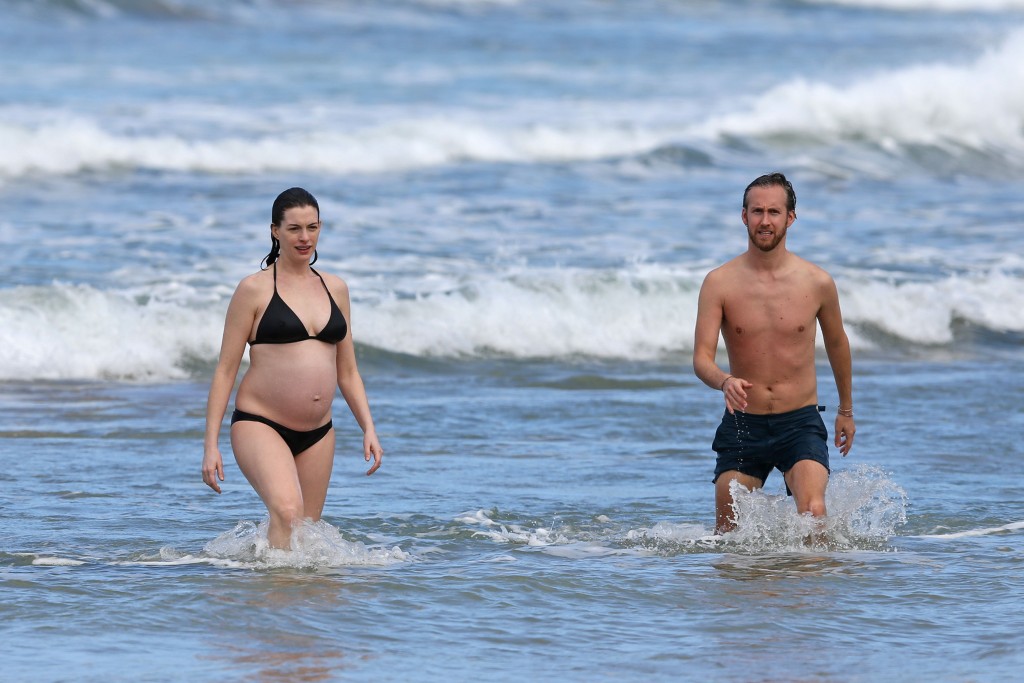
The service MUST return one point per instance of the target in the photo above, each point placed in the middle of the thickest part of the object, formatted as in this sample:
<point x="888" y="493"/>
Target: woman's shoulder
<point x="256" y="284"/>
<point x="334" y="283"/>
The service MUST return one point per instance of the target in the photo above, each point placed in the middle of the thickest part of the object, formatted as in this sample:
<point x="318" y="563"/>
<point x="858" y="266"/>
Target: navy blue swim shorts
<point x="756" y="444"/>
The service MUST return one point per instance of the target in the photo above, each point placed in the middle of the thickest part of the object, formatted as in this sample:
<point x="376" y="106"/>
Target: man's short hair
<point x="774" y="180"/>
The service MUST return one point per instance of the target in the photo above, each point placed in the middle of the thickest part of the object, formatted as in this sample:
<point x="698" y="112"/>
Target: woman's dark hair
<point x="291" y="198"/>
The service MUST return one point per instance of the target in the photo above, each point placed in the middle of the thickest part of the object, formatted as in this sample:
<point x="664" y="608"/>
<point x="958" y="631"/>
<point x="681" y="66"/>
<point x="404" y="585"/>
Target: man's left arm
<point x="837" y="346"/>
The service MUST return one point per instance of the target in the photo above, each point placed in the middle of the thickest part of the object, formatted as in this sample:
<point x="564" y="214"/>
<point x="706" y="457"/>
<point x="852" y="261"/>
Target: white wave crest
<point x="925" y="312"/>
<point x="647" y="312"/>
<point x="978" y="106"/>
<point x="43" y="561"/>
<point x="641" y="313"/>
<point x="638" y="312"/>
<point x="73" y="144"/>
<point x="78" y="332"/>
<point x="953" y="107"/>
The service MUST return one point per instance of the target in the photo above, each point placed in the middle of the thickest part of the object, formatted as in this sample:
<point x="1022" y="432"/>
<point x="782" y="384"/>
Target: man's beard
<point x="765" y="247"/>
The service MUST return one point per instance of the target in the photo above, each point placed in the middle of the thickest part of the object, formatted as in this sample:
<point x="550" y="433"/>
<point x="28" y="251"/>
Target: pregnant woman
<point x="296" y="322"/>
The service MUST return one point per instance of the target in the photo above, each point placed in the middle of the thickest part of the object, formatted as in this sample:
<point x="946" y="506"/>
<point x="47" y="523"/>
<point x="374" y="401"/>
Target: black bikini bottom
<point x="295" y="440"/>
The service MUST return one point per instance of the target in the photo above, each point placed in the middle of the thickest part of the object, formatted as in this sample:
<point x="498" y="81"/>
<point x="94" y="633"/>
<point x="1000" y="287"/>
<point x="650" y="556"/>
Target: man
<point x="767" y="304"/>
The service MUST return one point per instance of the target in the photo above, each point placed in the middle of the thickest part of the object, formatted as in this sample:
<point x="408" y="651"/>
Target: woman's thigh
<point x="314" y="466"/>
<point x="267" y="463"/>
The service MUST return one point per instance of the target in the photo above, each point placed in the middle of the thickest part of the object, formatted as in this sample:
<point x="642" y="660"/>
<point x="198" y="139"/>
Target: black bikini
<point x="295" y="440"/>
<point x="280" y="325"/>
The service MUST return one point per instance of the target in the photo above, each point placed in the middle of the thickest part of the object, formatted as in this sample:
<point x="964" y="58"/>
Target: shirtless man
<point x="767" y="304"/>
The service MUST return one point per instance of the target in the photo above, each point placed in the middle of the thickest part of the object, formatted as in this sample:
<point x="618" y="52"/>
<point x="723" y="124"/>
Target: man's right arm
<point x="706" y="333"/>
<point x="710" y="315"/>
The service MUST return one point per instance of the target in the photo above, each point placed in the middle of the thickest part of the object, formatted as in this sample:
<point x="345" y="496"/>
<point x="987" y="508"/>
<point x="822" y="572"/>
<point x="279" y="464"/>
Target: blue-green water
<point x="524" y="198"/>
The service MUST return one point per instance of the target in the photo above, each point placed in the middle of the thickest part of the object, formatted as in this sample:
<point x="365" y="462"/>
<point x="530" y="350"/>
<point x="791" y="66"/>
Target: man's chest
<point x="780" y="313"/>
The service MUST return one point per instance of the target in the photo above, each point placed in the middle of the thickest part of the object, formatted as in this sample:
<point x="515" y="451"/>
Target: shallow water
<point x="527" y="530"/>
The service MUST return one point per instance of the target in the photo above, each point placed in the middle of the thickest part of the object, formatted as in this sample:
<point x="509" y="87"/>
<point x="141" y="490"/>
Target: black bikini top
<point x="280" y="325"/>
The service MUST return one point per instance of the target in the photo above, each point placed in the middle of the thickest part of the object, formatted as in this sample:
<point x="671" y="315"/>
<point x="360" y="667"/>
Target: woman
<point x="295" y="321"/>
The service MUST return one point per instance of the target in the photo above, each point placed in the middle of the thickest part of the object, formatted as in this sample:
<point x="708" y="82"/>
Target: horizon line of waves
<point x="870" y="147"/>
<point x="944" y="118"/>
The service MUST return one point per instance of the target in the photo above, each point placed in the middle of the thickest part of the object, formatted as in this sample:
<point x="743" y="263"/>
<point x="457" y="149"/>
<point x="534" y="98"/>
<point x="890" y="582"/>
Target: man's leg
<point x="807" y="480"/>
<point x="725" y="517"/>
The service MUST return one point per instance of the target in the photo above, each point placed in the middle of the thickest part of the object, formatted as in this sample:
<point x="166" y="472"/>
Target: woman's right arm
<point x="237" y="326"/>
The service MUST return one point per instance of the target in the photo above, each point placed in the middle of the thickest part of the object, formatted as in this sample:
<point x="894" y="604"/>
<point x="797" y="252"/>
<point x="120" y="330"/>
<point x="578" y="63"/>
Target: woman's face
<point x="298" y="232"/>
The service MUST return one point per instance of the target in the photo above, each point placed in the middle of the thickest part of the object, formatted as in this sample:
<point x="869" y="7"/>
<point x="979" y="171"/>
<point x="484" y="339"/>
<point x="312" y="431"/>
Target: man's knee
<point x="807" y="481"/>
<point x="815" y="506"/>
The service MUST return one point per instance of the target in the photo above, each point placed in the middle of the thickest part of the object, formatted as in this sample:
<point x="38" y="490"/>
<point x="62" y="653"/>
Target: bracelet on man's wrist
<point x="722" y="386"/>
<point x="845" y="412"/>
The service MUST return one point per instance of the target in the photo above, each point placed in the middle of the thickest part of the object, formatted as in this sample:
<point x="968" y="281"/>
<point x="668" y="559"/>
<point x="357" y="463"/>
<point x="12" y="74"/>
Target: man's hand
<point x="735" y="391"/>
<point x="845" y="430"/>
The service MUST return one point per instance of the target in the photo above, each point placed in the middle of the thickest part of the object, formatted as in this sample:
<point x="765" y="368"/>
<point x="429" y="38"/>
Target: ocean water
<point x="524" y="197"/>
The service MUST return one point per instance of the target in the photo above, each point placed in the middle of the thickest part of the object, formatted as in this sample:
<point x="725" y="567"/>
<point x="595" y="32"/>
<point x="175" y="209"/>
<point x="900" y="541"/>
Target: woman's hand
<point x="372" y="449"/>
<point x="213" y="469"/>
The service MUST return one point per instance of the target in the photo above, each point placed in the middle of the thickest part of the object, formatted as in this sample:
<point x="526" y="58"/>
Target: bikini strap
<point x="321" y="279"/>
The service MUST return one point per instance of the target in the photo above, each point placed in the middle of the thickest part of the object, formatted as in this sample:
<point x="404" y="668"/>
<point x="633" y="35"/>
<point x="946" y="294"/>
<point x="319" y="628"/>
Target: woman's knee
<point x="290" y="511"/>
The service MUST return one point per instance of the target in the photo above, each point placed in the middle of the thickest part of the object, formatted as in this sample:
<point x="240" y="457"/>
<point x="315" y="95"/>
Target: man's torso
<point x="769" y="323"/>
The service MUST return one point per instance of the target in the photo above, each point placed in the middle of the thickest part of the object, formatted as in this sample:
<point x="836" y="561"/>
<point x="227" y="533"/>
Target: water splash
<point x="510" y="532"/>
<point x="865" y="509"/>
<point x="315" y="545"/>
<point x="669" y="538"/>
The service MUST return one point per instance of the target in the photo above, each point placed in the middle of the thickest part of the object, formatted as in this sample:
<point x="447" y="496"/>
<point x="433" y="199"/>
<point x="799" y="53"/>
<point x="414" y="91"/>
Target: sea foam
<point x="639" y="312"/>
<point x="315" y="545"/>
<point x="79" y="332"/>
<point x="976" y="106"/>
<point x="866" y="508"/>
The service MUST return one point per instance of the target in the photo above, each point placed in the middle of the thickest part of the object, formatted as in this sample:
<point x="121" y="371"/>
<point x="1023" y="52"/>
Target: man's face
<point x="766" y="216"/>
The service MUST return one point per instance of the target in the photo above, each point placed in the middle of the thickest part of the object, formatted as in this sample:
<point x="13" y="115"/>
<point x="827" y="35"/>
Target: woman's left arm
<point x="351" y="383"/>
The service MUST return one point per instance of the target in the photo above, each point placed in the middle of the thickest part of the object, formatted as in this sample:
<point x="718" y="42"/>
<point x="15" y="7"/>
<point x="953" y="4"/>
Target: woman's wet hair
<point x="773" y="180"/>
<point x="291" y="198"/>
